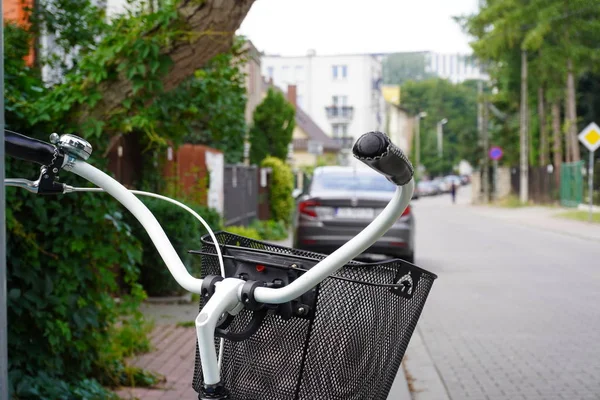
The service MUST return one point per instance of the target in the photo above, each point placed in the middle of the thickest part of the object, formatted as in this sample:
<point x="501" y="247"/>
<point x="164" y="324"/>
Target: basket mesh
<point x="352" y="349"/>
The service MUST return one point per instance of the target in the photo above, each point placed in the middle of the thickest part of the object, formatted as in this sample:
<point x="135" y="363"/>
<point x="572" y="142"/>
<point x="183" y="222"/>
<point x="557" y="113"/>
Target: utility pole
<point x="483" y="135"/>
<point x="440" y="136"/>
<point x="524" y="135"/>
<point x="420" y="115"/>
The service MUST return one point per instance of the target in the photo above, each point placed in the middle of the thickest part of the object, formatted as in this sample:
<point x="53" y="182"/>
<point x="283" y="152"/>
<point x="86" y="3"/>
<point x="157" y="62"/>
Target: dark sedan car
<point x="342" y="201"/>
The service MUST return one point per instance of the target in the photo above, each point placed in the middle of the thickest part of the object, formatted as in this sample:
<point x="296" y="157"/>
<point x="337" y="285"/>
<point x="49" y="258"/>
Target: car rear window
<point x="351" y="181"/>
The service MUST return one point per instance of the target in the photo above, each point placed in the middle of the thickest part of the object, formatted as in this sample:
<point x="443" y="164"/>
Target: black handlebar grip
<point x="32" y="150"/>
<point x="377" y="151"/>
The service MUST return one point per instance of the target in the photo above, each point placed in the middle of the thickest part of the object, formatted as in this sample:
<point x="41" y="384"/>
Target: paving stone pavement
<point x="173" y="357"/>
<point x="515" y="313"/>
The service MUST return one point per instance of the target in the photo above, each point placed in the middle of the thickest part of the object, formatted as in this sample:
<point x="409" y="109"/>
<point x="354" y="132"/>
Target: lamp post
<point x="420" y="115"/>
<point x="440" y="136"/>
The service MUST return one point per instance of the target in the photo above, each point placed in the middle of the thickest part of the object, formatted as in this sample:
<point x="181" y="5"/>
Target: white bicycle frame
<point x="228" y="293"/>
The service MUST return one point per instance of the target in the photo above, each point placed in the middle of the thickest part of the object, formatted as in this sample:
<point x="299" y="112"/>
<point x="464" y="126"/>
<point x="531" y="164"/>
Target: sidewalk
<point x="174" y="357"/>
<point x="542" y="218"/>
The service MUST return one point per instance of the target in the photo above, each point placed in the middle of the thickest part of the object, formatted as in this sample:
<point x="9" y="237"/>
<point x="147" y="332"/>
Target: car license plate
<point x="355" y="213"/>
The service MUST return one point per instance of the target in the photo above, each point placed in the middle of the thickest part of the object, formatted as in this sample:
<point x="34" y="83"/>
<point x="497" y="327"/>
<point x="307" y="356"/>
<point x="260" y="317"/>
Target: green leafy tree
<point x="456" y="102"/>
<point x="559" y="39"/>
<point x="273" y="128"/>
<point x="209" y="107"/>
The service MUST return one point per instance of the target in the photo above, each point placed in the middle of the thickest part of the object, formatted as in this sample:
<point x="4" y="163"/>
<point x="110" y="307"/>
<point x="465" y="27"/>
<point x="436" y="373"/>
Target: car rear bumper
<point x="397" y="242"/>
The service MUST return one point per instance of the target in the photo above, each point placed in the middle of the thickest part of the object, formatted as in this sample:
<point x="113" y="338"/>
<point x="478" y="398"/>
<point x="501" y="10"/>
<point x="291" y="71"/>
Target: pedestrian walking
<point x="453" y="192"/>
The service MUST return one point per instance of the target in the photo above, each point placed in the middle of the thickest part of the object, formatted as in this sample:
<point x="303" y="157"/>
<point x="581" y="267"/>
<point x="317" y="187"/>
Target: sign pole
<point x="590" y="138"/>
<point x="496" y="179"/>
<point x="591" y="185"/>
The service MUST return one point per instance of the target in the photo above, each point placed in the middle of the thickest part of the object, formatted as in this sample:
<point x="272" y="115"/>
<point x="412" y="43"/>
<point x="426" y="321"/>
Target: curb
<point x="426" y="382"/>
<point x="399" y="389"/>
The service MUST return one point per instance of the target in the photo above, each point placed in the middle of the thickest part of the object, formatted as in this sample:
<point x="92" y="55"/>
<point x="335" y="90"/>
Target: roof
<point x="306" y="123"/>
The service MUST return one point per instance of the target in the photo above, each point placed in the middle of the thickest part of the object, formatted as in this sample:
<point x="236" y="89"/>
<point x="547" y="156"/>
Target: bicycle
<point x="265" y="329"/>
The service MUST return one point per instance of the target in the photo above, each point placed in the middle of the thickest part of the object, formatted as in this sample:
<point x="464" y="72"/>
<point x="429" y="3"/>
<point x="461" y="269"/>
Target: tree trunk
<point x="213" y="21"/>
<point x="572" y="114"/>
<point x="543" y="130"/>
<point x="557" y="141"/>
<point x="524" y="165"/>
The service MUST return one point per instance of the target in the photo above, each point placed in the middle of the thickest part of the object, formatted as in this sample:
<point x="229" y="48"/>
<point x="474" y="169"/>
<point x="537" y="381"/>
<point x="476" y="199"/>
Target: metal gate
<point x="571" y="184"/>
<point x="240" y="187"/>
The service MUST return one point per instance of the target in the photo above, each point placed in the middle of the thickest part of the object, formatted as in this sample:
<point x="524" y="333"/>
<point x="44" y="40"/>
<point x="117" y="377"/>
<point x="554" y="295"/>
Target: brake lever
<point x="45" y="184"/>
<point x="26" y="184"/>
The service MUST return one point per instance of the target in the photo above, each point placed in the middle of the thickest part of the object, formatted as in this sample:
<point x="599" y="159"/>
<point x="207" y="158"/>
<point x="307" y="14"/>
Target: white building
<point x="454" y="67"/>
<point x="341" y="93"/>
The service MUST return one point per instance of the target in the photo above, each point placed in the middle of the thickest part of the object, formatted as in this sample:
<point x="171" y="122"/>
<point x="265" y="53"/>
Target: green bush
<point x="270" y="230"/>
<point x="71" y="268"/>
<point x="244" y="231"/>
<point x="281" y="201"/>
<point x="184" y="231"/>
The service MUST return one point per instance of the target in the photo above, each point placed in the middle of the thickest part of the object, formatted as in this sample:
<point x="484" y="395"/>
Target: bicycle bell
<point x="72" y="145"/>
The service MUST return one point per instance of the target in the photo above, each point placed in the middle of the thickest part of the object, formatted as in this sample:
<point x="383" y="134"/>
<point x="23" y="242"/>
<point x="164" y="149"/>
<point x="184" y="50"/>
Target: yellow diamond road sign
<point x="590" y="137"/>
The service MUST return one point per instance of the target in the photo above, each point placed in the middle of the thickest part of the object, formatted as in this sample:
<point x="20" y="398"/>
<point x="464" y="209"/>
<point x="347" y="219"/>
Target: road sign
<point x="495" y="153"/>
<point x="590" y="137"/>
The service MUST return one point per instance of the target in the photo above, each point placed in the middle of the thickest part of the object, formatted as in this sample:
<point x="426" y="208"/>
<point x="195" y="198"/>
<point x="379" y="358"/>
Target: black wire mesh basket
<point x="346" y="344"/>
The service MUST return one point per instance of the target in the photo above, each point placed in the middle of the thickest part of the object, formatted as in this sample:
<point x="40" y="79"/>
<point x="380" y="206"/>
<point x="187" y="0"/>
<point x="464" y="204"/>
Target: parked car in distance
<point x="427" y="188"/>
<point x="452" y="178"/>
<point x="441" y="184"/>
<point x="342" y="201"/>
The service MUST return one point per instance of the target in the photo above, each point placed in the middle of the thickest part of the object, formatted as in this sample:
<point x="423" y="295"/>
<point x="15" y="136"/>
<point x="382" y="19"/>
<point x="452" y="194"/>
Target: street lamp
<point x="440" y="136"/>
<point x="420" y="115"/>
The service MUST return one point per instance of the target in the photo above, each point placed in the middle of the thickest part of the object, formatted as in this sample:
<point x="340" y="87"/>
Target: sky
<point x="291" y="27"/>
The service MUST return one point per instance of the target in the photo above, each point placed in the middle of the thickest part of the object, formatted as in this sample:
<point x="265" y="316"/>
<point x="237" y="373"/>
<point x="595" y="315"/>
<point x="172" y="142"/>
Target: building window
<point x="336" y="130"/>
<point x="339" y="71"/>
<point x="270" y="72"/>
<point x="339" y="130"/>
<point x="339" y="100"/>
<point x="286" y="73"/>
<point x="298" y="73"/>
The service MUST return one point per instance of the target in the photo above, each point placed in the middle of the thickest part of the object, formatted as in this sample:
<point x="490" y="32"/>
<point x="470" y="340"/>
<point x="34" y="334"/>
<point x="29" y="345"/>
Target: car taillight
<point x="307" y="207"/>
<point x="406" y="211"/>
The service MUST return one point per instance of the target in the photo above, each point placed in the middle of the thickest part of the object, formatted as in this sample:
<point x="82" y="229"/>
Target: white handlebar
<point x="303" y="284"/>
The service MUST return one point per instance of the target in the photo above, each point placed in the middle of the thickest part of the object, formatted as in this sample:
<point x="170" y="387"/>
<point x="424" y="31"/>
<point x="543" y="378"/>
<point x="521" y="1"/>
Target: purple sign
<point x="495" y="153"/>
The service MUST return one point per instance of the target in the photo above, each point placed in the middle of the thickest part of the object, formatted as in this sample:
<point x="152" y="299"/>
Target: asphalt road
<point x="515" y="312"/>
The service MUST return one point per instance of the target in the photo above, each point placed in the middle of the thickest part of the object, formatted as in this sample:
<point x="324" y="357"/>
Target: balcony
<point x="340" y="113"/>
